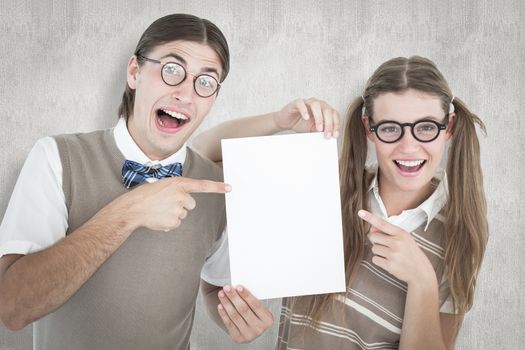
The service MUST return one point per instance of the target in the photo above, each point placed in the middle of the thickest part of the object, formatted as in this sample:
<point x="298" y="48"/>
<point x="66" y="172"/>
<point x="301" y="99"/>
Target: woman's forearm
<point x="421" y="322"/>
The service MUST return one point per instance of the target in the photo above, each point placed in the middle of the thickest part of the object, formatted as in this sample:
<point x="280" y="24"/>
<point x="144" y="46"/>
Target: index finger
<point x="379" y="223"/>
<point x="301" y="107"/>
<point x="315" y="107"/>
<point x="255" y="304"/>
<point x="336" y="123"/>
<point x="203" y="186"/>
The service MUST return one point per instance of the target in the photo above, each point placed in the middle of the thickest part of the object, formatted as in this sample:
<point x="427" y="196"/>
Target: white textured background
<point x="62" y="69"/>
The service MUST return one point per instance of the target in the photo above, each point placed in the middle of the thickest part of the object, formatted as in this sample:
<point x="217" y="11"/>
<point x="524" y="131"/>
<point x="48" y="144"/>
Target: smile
<point x="410" y="166"/>
<point x="171" y="119"/>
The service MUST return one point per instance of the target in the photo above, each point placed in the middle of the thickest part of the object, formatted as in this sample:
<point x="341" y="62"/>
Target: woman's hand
<point x="396" y="251"/>
<point x="308" y="116"/>
<point x="244" y="316"/>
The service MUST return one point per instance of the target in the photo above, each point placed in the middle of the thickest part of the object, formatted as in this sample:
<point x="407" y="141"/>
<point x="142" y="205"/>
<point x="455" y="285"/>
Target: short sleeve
<point x="36" y="215"/>
<point x="216" y="269"/>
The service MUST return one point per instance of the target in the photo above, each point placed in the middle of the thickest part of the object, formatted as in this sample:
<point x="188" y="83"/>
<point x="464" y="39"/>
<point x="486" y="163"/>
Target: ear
<point x="132" y="72"/>
<point x="450" y="125"/>
<point x="366" y="124"/>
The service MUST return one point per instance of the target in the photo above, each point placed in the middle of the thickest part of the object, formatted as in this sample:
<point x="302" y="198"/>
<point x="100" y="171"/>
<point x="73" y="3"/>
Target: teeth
<point x="175" y="114"/>
<point x="410" y="163"/>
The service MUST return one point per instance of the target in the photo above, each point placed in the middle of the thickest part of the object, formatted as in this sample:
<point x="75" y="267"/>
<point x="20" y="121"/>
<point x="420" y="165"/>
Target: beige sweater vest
<point x="143" y="296"/>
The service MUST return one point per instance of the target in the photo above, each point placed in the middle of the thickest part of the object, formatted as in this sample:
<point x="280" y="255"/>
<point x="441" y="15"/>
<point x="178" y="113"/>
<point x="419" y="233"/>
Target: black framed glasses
<point x="423" y="130"/>
<point x="174" y="74"/>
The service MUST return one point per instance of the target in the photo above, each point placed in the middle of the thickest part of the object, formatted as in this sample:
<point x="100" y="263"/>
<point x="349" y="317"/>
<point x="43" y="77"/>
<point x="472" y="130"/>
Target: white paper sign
<point x="284" y="214"/>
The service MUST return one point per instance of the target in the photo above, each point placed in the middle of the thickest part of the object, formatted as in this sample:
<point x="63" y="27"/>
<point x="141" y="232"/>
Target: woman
<point x="411" y="277"/>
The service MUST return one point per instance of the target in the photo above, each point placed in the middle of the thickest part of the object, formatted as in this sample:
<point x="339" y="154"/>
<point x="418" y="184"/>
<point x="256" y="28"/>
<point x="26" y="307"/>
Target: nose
<point x="408" y="141"/>
<point x="184" y="91"/>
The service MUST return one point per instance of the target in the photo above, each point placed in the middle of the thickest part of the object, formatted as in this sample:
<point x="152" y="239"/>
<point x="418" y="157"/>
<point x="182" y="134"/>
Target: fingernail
<point x="220" y="307"/>
<point x="361" y="213"/>
<point x="240" y="289"/>
<point x="228" y="188"/>
<point x="221" y="294"/>
<point x="227" y="288"/>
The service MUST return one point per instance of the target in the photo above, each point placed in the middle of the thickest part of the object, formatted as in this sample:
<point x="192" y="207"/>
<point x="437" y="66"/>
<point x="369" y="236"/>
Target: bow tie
<point x="134" y="173"/>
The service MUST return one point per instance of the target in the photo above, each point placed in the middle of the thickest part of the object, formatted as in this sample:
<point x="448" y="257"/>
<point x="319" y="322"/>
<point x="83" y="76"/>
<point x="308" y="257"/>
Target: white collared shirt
<point x="36" y="215"/>
<point x="410" y="219"/>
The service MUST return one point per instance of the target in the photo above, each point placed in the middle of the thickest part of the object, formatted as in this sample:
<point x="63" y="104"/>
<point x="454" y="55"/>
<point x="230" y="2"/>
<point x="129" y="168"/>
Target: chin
<point x="415" y="184"/>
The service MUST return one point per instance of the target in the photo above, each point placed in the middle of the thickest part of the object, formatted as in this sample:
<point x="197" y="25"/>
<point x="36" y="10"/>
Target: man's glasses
<point x="174" y="74"/>
<point x="423" y="130"/>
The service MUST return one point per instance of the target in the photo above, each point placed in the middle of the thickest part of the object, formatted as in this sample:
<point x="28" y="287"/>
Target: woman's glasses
<point x="423" y="130"/>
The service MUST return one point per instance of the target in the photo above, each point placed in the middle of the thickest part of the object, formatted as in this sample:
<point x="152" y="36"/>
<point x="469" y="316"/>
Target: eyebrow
<point x="183" y="61"/>
<point x="428" y="117"/>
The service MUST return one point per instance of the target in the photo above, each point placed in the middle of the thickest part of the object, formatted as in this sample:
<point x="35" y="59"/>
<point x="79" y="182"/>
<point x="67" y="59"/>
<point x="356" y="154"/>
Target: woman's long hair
<point x="466" y="228"/>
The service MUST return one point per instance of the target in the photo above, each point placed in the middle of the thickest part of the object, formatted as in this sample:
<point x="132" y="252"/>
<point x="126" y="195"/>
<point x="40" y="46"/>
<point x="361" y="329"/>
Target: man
<point x="97" y="263"/>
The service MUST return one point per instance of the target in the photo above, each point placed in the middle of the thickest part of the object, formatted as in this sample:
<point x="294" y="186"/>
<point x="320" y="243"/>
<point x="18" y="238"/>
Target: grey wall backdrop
<point x="62" y="69"/>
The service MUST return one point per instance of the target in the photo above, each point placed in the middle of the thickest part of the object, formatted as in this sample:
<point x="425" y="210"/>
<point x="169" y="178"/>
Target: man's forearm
<point x="208" y="143"/>
<point x="36" y="284"/>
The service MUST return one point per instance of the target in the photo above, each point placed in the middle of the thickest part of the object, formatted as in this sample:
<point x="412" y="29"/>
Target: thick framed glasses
<point x="423" y="130"/>
<point x="174" y="74"/>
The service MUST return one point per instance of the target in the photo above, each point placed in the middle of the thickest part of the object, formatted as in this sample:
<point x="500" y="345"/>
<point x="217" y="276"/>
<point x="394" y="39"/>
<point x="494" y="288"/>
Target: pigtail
<point x="354" y="184"/>
<point x="466" y="228"/>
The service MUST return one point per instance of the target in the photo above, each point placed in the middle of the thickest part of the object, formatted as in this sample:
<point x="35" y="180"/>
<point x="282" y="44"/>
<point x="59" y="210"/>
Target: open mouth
<point x="171" y="119"/>
<point x="410" y="166"/>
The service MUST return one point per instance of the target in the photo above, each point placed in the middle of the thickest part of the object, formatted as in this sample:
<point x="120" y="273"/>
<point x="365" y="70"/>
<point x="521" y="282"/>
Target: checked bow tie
<point x="134" y="173"/>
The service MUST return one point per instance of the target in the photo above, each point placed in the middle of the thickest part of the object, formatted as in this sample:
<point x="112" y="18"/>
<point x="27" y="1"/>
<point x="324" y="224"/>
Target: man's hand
<point x="244" y="316"/>
<point x="25" y="296"/>
<point x="163" y="205"/>
<point x="308" y="116"/>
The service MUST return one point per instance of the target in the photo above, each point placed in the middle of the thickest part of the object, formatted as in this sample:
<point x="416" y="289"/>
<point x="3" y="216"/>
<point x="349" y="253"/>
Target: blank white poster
<point x="284" y="214"/>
